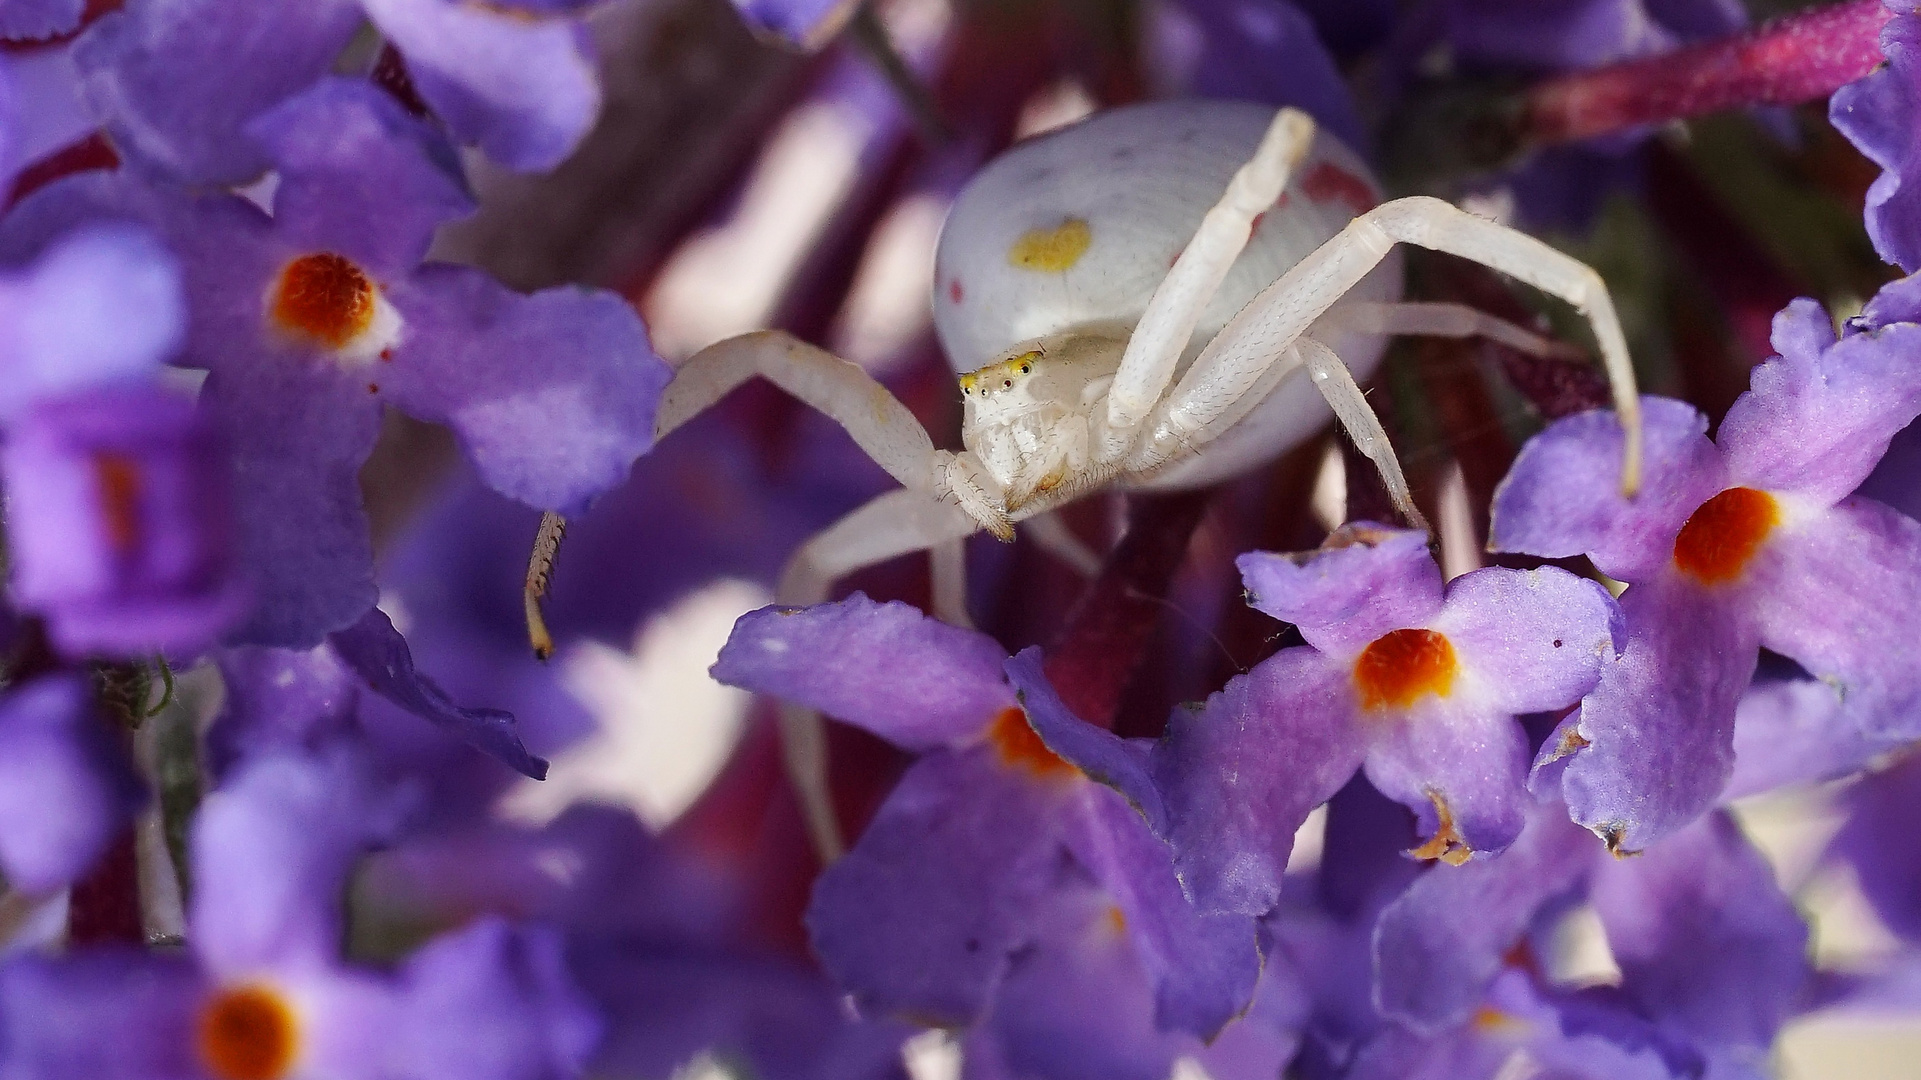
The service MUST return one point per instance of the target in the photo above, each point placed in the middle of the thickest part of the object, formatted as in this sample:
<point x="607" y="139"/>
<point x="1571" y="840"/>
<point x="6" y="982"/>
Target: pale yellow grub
<point x="1052" y="251"/>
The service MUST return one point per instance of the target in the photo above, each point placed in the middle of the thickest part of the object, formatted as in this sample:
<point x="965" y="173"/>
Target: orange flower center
<point x="1401" y="665"/>
<point x="1017" y="746"/>
<point x="1721" y="538"/>
<point x="248" y="1033"/>
<point x="118" y="478"/>
<point x="324" y="297"/>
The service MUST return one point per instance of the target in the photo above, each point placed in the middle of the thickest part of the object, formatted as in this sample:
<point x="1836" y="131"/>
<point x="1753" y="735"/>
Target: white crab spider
<point x="1110" y="328"/>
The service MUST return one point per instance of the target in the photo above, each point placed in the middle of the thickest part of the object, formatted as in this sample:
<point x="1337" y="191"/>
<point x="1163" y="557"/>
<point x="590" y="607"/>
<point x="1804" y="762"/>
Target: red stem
<point x="1793" y="59"/>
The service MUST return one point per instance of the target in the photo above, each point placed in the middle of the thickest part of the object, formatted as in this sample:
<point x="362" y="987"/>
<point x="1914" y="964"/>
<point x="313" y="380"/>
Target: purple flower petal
<point x="1461" y="765"/>
<point x="1840" y="591"/>
<point x="376" y="652"/>
<point x="1121" y="764"/>
<point x="298" y="443"/>
<point x="121" y="523"/>
<point x="810" y="24"/>
<point x="1202" y="967"/>
<point x="1241" y="774"/>
<point x="952" y="877"/>
<point x="33" y="20"/>
<point x="1878" y="842"/>
<point x="552" y="395"/>
<point x="520" y="84"/>
<point x="1439" y="946"/>
<point x="1706" y="941"/>
<point x="914" y="681"/>
<point x="494" y="1002"/>
<point x="1534" y="640"/>
<point x="175" y="81"/>
<point x="1365" y="581"/>
<point x="1658" y="732"/>
<point x="101" y="304"/>
<point x="278" y="699"/>
<point x="66" y="791"/>
<point x="1815" y="424"/>
<point x="1563" y="497"/>
<point x="1793" y="731"/>
<point x="271" y="852"/>
<point x="1877" y="114"/>
<point x="358" y="176"/>
<point x="54" y="1015"/>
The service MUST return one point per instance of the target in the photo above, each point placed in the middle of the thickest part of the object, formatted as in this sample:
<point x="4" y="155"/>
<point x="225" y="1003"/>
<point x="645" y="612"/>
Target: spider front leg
<point x="1165" y="327"/>
<point x="1241" y="355"/>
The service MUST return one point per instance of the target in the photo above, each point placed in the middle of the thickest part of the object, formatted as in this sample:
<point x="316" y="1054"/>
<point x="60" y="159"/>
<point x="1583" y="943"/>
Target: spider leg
<point x="1053" y="536"/>
<point x="876" y="420"/>
<point x="850" y="397"/>
<point x="895" y="523"/>
<point x="1357" y="418"/>
<point x="1240" y="355"/>
<point x="1444" y="320"/>
<point x="1161" y="336"/>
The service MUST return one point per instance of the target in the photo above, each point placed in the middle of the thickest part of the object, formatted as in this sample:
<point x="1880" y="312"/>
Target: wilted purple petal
<point x="377" y="653"/>
<point x="913" y="680"/>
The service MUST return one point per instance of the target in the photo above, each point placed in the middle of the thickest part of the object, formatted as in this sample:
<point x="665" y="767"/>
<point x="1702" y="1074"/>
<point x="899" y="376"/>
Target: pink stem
<point x="1793" y="59"/>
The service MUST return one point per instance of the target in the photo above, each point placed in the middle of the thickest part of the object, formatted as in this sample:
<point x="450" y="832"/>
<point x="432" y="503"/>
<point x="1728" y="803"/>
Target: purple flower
<point x="66" y="790"/>
<point x="34" y="20"/>
<point x="1712" y="954"/>
<point x="311" y="321"/>
<point x="1557" y="34"/>
<point x="120" y="525"/>
<point x="1418" y="684"/>
<point x="101" y="304"/>
<point x="994" y="866"/>
<point x="1877" y="114"/>
<point x="1752" y="541"/>
<point x="263" y="995"/>
<point x="810" y="24"/>
<point x="177" y="82"/>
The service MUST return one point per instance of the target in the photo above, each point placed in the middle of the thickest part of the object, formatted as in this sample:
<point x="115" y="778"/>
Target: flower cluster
<point x="311" y="314"/>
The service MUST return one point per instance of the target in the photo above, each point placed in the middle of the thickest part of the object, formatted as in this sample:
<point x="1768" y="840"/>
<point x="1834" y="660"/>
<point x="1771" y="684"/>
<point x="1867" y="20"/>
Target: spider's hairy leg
<point x="1261" y="333"/>
<point x="1357" y="418"/>
<point x="1175" y="308"/>
<point x="896" y="523"/>
<point x="877" y="421"/>
<point x="1426" y="319"/>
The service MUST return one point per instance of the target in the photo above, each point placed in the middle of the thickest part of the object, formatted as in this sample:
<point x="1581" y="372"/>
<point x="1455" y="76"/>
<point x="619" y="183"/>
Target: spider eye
<point x="1025" y="369"/>
<point x="1007" y="384"/>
